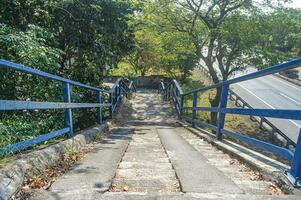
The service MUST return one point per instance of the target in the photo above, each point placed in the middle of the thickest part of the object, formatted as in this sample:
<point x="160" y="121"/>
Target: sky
<point x="295" y="4"/>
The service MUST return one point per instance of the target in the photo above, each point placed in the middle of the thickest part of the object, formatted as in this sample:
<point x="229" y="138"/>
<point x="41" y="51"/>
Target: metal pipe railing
<point x="173" y="91"/>
<point x="115" y="95"/>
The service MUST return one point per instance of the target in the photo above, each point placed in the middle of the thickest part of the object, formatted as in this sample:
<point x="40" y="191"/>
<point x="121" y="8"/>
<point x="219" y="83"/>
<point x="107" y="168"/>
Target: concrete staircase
<point x="145" y="166"/>
<point x="152" y="157"/>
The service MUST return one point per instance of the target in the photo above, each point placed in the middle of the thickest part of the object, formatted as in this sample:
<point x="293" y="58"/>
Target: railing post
<point x="181" y="107"/>
<point x="294" y="175"/>
<point x="99" y="109"/>
<point x="68" y="111"/>
<point x="116" y="93"/>
<point x="194" y="105"/>
<point x="111" y="105"/>
<point x="119" y="91"/>
<point x="221" y="116"/>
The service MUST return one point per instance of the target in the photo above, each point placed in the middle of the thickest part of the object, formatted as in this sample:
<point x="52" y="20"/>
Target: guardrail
<point x="116" y="93"/>
<point x="173" y="91"/>
<point x="260" y="120"/>
<point x="239" y="102"/>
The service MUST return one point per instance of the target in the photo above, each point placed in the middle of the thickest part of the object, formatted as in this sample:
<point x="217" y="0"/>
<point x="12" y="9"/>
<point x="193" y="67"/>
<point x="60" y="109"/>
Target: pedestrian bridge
<point x="162" y="153"/>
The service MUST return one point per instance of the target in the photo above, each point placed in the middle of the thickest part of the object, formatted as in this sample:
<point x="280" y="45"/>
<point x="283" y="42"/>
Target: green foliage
<point x="123" y="69"/>
<point x="77" y="39"/>
<point x="159" y="50"/>
<point x="279" y="36"/>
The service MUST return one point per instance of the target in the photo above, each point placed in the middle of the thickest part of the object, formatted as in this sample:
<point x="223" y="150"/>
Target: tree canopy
<point x="82" y="39"/>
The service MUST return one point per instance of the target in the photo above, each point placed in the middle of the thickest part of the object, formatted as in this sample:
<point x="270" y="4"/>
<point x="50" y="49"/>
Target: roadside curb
<point x="13" y="175"/>
<point x="295" y="82"/>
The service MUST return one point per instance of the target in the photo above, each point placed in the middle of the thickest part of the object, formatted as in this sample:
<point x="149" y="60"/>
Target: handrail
<point x="116" y="93"/>
<point x="173" y="91"/>
<point x="262" y="119"/>
<point x="18" y="67"/>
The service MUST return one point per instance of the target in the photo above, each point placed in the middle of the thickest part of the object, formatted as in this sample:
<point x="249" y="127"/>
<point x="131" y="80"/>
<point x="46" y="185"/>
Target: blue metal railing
<point x="173" y="91"/>
<point x="115" y="94"/>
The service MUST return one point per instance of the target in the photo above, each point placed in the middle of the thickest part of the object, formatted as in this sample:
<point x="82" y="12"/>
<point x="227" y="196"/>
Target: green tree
<point x="76" y="39"/>
<point x="279" y="36"/>
<point x="159" y="50"/>
<point x="146" y="55"/>
<point x="215" y="28"/>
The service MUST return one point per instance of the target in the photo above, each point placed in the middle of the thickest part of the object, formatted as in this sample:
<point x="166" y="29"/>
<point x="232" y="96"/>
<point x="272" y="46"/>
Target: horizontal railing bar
<point x="285" y="153"/>
<point x="32" y="105"/>
<point x="279" y="113"/>
<point x="23" y="68"/>
<point x="264" y="119"/>
<point x="207" y="109"/>
<point x="258" y="143"/>
<point x="204" y="124"/>
<point x="264" y="72"/>
<point x="252" y="141"/>
<point x="204" y="89"/>
<point x="27" y="143"/>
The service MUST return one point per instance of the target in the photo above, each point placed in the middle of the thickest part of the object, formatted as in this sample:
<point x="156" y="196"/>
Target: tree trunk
<point x="214" y="102"/>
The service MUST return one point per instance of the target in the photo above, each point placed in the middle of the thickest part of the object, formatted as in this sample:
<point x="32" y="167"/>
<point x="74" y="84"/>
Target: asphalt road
<point x="273" y="93"/>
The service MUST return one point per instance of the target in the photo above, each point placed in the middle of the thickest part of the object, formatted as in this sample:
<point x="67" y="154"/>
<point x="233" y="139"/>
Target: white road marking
<point x="299" y="126"/>
<point x="256" y="96"/>
<point x="297" y="102"/>
<point x="285" y="82"/>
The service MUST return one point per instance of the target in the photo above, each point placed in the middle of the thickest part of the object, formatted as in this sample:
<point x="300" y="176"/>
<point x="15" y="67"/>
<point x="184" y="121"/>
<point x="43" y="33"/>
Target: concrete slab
<point x="240" y="175"/>
<point x="145" y="166"/>
<point x="193" y="169"/>
<point x="96" y="171"/>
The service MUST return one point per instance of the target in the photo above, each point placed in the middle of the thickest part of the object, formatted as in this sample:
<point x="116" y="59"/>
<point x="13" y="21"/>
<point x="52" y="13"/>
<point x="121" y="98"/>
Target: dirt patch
<point x="44" y="179"/>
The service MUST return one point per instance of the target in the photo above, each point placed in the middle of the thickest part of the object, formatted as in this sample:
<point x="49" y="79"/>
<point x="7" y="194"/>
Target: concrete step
<point x="194" y="171"/>
<point x="142" y="158"/>
<point x="97" y="169"/>
<point x="85" y="194"/>
<point x="145" y="185"/>
<point x="144" y="173"/>
<point x="222" y="162"/>
<point x="145" y="165"/>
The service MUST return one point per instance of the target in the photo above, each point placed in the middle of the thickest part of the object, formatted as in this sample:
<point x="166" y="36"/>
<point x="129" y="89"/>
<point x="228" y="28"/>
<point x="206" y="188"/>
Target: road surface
<point x="273" y="93"/>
